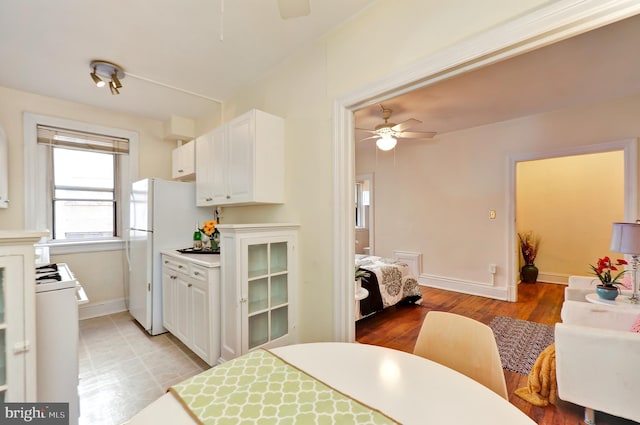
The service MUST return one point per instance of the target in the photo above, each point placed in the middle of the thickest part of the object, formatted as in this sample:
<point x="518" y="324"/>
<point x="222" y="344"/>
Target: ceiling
<point x="189" y="45"/>
<point x="203" y="54"/>
<point x="590" y="67"/>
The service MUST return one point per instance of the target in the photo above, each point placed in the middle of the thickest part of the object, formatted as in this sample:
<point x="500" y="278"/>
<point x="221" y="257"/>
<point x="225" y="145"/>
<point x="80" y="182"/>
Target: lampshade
<point x="386" y="143"/>
<point x="625" y="238"/>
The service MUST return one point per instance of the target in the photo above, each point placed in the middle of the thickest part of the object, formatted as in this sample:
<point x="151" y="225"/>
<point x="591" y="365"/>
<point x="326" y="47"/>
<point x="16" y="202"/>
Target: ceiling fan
<point x="388" y="133"/>
<point x="293" y="8"/>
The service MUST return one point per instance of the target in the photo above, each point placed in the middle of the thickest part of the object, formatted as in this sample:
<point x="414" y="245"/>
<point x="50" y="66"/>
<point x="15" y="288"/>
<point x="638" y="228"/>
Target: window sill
<point x="57" y="248"/>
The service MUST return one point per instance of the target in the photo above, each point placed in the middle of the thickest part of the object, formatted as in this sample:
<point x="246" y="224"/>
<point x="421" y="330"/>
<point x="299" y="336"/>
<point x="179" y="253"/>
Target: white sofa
<point x="598" y="359"/>
<point x="579" y="286"/>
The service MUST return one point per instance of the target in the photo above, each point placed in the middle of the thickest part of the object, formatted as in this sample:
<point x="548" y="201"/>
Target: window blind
<point x="72" y="139"/>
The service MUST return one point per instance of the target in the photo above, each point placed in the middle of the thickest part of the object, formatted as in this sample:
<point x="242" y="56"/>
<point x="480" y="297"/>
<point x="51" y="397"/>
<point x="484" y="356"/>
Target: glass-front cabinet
<point x="259" y="269"/>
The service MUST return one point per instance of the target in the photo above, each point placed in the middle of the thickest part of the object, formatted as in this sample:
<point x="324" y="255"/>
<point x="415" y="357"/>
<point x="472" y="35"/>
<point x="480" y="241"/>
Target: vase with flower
<point x="529" y="249"/>
<point x="208" y="231"/>
<point x="604" y="270"/>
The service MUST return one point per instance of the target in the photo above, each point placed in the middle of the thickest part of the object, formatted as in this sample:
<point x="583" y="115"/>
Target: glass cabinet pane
<point x="279" y="291"/>
<point x="279" y="322"/>
<point x="278" y="257"/>
<point x="258" y="295"/>
<point x="257" y="260"/>
<point x="258" y="329"/>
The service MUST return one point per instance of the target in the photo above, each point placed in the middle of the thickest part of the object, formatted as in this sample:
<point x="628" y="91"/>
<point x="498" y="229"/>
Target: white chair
<point x="598" y="358"/>
<point x="462" y="344"/>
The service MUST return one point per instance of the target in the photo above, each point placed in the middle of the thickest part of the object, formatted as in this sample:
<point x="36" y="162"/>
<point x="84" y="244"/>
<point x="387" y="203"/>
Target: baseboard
<point x="104" y="308"/>
<point x="464" y="287"/>
<point x="558" y="278"/>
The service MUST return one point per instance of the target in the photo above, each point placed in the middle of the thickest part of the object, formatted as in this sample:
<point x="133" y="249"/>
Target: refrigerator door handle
<point x="126" y="248"/>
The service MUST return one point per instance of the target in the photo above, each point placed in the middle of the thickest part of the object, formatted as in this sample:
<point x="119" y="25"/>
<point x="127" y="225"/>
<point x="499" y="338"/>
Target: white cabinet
<point x="4" y="171"/>
<point x="245" y="162"/>
<point x="18" y="379"/>
<point x="208" y="172"/>
<point x="191" y="304"/>
<point x="259" y="271"/>
<point x="183" y="165"/>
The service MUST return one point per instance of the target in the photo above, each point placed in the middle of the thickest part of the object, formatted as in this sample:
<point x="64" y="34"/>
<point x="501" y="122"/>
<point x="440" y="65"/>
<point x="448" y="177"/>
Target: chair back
<point x="462" y="344"/>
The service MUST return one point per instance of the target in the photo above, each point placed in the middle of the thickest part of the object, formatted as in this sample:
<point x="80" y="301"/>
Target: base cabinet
<point x="191" y="305"/>
<point x="18" y="361"/>
<point x="259" y="271"/>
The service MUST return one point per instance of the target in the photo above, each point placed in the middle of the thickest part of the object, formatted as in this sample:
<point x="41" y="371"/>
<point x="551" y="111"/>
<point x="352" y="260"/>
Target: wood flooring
<point x="397" y="327"/>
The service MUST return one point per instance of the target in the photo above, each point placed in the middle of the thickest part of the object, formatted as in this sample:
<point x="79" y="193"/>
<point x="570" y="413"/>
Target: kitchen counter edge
<point x="206" y="260"/>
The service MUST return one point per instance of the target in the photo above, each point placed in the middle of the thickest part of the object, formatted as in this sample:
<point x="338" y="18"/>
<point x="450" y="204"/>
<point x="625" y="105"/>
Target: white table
<point x="621" y="301"/>
<point x="408" y="388"/>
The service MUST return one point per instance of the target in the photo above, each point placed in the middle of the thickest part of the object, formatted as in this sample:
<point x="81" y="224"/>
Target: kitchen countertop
<point x="206" y="260"/>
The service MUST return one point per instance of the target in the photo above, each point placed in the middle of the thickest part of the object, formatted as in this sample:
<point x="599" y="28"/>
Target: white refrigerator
<point x="163" y="215"/>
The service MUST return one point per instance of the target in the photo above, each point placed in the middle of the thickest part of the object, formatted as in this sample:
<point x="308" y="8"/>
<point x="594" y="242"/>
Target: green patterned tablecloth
<point x="260" y="388"/>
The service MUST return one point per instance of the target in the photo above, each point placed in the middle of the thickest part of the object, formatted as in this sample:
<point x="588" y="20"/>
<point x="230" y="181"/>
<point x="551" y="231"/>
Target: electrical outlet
<point x="492" y="214"/>
<point x="492" y="268"/>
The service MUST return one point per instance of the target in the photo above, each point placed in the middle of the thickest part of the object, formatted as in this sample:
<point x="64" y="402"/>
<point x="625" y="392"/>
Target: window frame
<point x="37" y="163"/>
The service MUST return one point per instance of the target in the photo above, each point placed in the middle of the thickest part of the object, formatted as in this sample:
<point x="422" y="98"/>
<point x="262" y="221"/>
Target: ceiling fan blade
<point x="418" y="134"/>
<point x="366" y="130"/>
<point x="406" y="124"/>
<point x="293" y="8"/>
<point x="369" y="138"/>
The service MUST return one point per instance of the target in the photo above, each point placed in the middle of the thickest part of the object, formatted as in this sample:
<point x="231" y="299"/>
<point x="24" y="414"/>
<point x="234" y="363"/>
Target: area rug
<point x="520" y="342"/>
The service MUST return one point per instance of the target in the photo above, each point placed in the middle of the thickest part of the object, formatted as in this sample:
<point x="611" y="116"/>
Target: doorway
<point x="524" y="34"/>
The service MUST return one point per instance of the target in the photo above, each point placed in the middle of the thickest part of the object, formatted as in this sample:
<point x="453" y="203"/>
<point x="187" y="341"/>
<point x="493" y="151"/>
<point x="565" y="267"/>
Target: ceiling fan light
<point x="386" y="143"/>
<point x="97" y="80"/>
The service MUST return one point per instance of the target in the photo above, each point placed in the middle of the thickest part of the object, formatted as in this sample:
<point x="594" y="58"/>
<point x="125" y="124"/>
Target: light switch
<point x="492" y="214"/>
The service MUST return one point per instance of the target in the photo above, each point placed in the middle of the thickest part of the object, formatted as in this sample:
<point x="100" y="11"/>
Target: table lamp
<point x="625" y="238"/>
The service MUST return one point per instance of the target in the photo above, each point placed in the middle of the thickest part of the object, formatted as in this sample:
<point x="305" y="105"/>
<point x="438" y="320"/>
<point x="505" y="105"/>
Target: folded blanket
<point x="541" y="386"/>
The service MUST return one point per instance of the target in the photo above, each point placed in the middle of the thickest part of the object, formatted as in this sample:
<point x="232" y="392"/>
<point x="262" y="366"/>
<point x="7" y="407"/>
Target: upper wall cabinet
<point x="242" y="162"/>
<point x="183" y="161"/>
<point x="4" y="171"/>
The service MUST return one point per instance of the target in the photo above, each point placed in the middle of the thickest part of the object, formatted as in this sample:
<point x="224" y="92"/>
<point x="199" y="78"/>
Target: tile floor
<point x="123" y="369"/>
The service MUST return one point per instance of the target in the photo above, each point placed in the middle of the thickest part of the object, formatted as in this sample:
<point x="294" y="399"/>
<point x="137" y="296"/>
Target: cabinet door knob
<point x="181" y="170"/>
<point x="208" y="199"/>
<point x="189" y="285"/>
<point x="179" y="266"/>
<point x="243" y="300"/>
<point x="196" y="273"/>
<point x="228" y="196"/>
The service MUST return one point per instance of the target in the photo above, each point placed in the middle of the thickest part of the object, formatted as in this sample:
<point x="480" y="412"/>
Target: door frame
<point x="630" y="149"/>
<point x="537" y="28"/>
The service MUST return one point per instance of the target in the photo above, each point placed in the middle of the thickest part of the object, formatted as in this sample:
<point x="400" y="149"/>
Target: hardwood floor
<point x="397" y="327"/>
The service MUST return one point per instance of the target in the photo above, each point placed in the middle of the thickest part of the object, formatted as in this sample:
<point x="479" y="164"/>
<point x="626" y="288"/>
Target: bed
<point x="389" y="282"/>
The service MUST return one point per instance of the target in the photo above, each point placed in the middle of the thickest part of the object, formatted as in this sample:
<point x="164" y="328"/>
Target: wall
<point x="434" y="197"/>
<point x="570" y="203"/>
<point x="101" y="273"/>
<point x="302" y="90"/>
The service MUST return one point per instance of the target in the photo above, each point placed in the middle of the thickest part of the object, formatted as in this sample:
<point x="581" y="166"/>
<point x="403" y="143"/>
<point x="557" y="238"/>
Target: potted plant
<point x="359" y="273"/>
<point x="529" y="249"/>
<point x="608" y="287"/>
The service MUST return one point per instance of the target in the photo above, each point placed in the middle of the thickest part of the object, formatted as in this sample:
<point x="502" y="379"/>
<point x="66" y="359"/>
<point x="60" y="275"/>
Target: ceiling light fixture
<point x="108" y="71"/>
<point x="96" y="79"/>
<point x="386" y="143"/>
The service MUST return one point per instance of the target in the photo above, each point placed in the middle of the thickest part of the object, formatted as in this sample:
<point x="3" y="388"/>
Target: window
<point x="77" y="180"/>
<point x="84" y="195"/>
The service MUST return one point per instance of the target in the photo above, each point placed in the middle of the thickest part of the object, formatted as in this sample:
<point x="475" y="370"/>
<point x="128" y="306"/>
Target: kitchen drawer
<point x="199" y="272"/>
<point x="176" y="265"/>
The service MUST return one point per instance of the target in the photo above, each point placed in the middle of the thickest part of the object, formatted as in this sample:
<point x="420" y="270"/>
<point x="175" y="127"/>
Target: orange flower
<point x="209" y="227"/>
